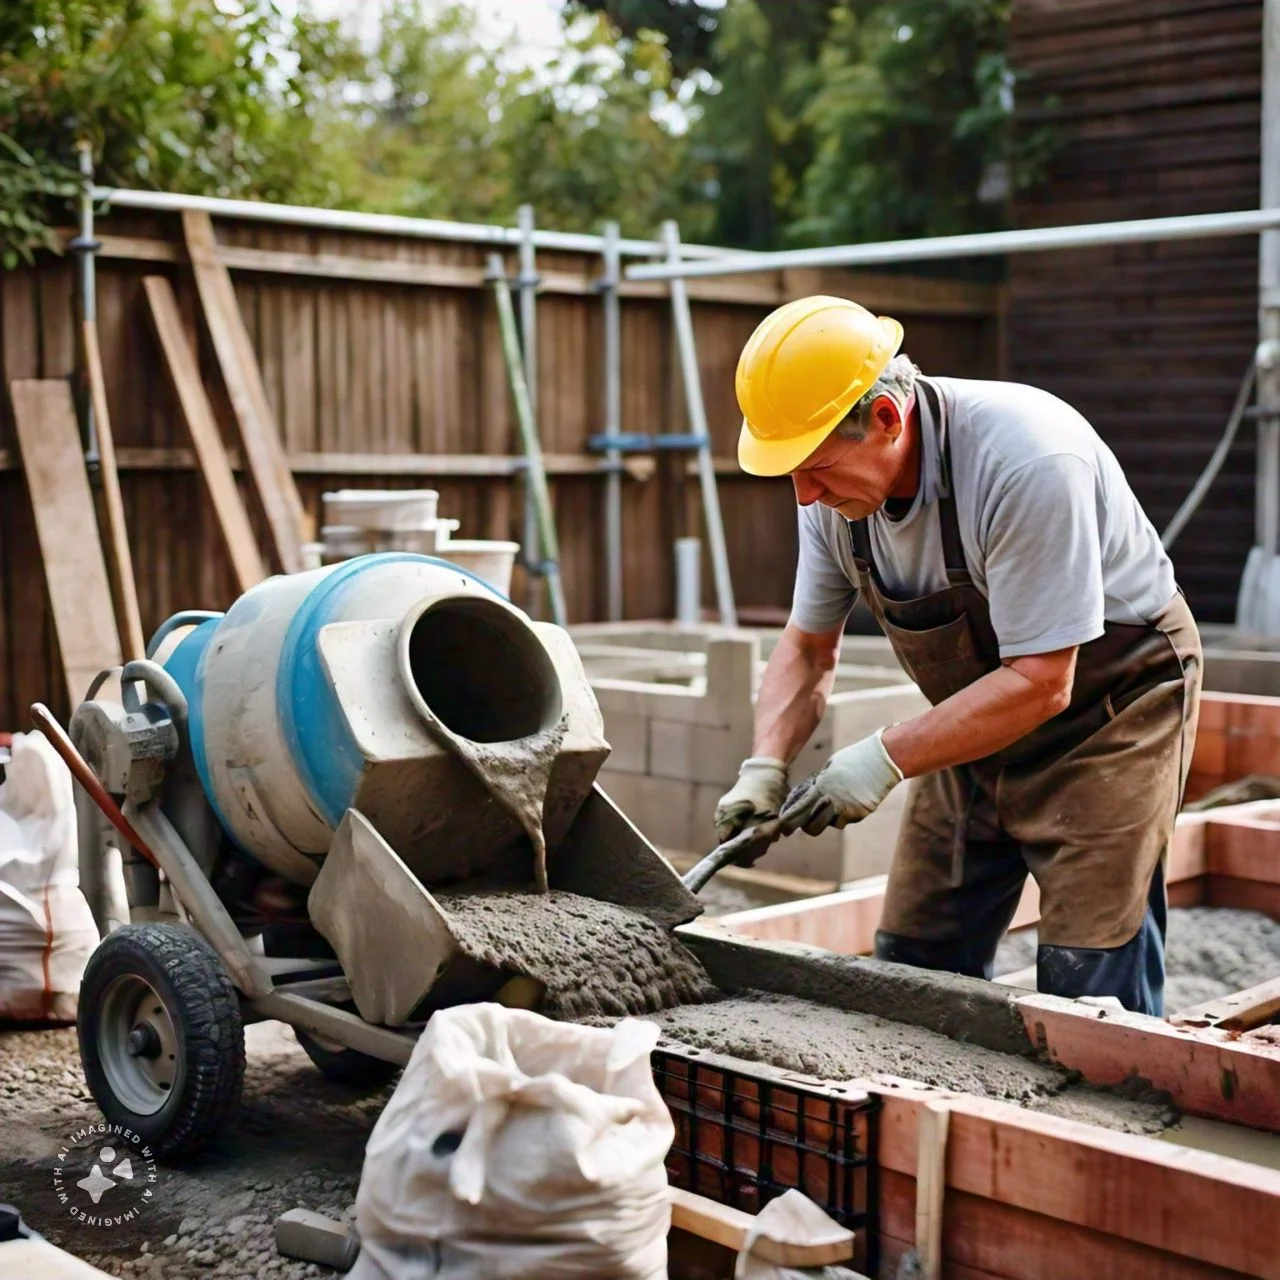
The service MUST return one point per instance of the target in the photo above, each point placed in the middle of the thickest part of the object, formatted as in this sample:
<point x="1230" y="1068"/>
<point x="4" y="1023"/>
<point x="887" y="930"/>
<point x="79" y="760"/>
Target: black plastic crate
<point x="746" y="1132"/>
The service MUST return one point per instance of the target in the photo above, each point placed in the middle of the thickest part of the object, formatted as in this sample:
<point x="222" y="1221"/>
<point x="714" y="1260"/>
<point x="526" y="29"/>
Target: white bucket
<point x="342" y="541"/>
<point x="389" y="509"/>
<point x="491" y="562"/>
<point x="426" y="542"/>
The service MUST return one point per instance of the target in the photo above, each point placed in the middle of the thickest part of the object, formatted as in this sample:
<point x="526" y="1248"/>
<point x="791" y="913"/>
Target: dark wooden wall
<point x="382" y="361"/>
<point x="1156" y="109"/>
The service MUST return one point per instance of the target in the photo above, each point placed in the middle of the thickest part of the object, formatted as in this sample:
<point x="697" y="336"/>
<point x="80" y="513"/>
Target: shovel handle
<point x="730" y="851"/>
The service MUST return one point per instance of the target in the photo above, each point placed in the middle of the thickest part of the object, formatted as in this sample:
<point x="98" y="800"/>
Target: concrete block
<point x="628" y="735"/>
<point x="731" y="676"/>
<point x="716" y="753"/>
<point x="702" y="824"/>
<point x="661" y="808"/>
<point x="671" y="749"/>
<point x="629" y="697"/>
<point x="315" y="1238"/>
<point x="856" y="715"/>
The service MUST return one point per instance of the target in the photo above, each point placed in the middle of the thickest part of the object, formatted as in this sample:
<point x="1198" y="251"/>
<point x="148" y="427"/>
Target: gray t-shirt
<point x="1052" y="533"/>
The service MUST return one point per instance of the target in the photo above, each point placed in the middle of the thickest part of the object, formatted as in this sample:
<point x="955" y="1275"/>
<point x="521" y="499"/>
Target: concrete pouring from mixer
<point x="316" y="776"/>
<point x="397" y="685"/>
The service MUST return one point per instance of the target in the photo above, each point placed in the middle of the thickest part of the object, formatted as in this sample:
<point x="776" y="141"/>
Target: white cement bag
<point x="517" y="1148"/>
<point x="47" y="931"/>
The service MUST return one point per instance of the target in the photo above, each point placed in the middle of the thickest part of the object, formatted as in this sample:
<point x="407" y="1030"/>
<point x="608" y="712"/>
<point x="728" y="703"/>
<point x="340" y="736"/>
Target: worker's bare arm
<point x="793" y="694"/>
<point x="987" y="716"/>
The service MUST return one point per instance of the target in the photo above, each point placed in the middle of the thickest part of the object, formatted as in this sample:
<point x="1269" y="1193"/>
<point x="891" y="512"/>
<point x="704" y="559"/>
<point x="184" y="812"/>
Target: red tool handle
<point x="44" y="720"/>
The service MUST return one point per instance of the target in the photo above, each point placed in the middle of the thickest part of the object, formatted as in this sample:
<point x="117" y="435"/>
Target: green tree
<point x="232" y="98"/>
<point x="187" y="96"/>
<point x="845" y="120"/>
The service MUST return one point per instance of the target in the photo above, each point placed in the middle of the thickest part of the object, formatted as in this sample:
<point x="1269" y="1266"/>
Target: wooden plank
<point x="1244" y="842"/>
<point x="1206" y="1071"/>
<point x="1241" y="1011"/>
<point x="74" y="567"/>
<point x="1202" y="1207"/>
<point x="987" y="1239"/>
<point x="258" y="432"/>
<point x="1245" y="895"/>
<point x="125" y="587"/>
<point x="730" y="1227"/>
<point x="210" y="452"/>
<point x="932" y="1122"/>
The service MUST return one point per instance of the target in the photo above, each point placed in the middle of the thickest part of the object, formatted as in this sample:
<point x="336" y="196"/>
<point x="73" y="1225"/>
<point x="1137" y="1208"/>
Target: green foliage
<point x="686" y="26"/>
<point x="825" y="121"/>
<point x="24" y="187"/>
<point x="232" y="98"/>
<point x="457" y="133"/>
<point x="758" y="123"/>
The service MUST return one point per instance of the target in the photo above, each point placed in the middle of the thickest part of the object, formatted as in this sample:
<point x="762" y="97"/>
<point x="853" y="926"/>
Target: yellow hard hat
<point x="802" y="370"/>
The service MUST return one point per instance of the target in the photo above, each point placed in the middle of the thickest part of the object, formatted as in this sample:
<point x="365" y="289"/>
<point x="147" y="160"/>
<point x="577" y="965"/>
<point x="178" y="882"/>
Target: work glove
<point x="851" y="785"/>
<point x="757" y="795"/>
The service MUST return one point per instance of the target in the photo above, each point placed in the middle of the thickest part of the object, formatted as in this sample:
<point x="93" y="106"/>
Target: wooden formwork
<point x="1221" y="1060"/>
<point x="1027" y="1196"/>
<point x="1022" y="1196"/>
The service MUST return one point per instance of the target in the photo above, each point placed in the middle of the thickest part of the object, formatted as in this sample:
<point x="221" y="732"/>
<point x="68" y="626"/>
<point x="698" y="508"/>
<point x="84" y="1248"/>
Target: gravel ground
<point x="298" y="1142"/>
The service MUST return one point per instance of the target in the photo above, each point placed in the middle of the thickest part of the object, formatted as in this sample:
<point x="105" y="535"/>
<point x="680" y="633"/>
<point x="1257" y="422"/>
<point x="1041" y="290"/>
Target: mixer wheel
<point x="346" y="1066"/>
<point x="161" y="1038"/>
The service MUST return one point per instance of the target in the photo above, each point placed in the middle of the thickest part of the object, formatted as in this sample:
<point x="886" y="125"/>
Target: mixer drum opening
<point x="482" y="672"/>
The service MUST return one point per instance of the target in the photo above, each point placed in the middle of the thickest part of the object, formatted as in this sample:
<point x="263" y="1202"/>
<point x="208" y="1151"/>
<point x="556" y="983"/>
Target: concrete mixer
<point x="299" y="785"/>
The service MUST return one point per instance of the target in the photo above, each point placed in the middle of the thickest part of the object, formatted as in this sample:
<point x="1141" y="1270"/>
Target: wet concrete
<point x="968" y="1009"/>
<point x="593" y="958"/>
<point x="835" y="1044"/>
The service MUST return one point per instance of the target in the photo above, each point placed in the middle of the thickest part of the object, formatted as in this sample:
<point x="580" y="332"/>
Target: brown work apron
<point x="1086" y="802"/>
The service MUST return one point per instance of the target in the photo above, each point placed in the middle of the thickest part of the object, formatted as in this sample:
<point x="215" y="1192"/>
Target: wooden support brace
<point x="729" y="1227"/>
<point x="932" y="1121"/>
<point x="258" y="432"/>
<point x="233" y="519"/>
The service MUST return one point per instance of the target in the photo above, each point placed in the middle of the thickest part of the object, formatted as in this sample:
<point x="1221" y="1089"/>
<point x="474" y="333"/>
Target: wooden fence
<point x="1156" y="108"/>
<point x="382" y="362"/>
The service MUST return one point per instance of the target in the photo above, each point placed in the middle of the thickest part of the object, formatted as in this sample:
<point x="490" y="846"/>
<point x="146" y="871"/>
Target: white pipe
<point x="688" y="581"/>
<point x="384" y="223"/>
<point x="1090" y="235"/>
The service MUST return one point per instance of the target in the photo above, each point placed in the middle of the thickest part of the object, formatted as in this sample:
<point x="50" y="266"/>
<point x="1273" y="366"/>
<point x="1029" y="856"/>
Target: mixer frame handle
<point x="155" y="679"/>
<point x="187" y="618"/>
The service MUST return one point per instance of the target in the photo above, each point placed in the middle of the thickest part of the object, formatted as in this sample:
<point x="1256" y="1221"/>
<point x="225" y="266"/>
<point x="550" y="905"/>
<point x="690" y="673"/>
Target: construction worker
<point x="996" y="541"/>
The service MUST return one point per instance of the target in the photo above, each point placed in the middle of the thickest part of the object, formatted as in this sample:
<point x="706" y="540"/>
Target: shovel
<point x="743" y="848"/>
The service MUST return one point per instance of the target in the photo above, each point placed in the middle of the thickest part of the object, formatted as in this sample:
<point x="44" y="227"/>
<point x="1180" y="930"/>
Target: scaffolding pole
<point x="609" y="282"/>
<point x="692" y="379"/>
